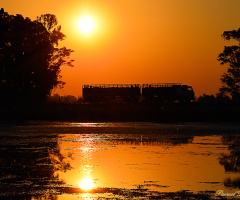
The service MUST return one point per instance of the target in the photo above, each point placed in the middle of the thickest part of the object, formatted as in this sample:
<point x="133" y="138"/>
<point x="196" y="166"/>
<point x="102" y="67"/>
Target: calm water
<point x="49" y="160"/>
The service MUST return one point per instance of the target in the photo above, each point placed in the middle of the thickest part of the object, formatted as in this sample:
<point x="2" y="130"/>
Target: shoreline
<point x="126" y="112"/>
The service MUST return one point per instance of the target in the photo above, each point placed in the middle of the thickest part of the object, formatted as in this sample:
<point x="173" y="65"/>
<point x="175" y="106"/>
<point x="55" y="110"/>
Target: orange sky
<point x="140" y="41"/>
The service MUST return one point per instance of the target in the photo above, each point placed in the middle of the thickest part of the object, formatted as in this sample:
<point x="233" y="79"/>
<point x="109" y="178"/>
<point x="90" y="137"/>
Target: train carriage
<point x="111" y="92"/>
<point x="162" y="92"/>
<point x="158" y="92"/>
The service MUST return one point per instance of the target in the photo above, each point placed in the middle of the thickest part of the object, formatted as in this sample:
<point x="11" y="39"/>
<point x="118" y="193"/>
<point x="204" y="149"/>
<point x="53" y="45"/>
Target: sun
<point x="86" y="184"/>
<point x="86" y="25"/>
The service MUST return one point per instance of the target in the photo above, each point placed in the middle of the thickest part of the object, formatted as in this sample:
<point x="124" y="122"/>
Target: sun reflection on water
<point x="127" y="160"/>
<point x="86" y="184"/>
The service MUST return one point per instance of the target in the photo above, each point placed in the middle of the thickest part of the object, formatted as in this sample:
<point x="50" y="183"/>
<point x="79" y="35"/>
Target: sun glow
<point x="86" y="24"/>
<point x="86" y="184"/>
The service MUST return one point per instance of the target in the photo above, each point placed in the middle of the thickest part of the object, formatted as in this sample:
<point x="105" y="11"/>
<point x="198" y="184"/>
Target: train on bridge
<point x="158" y="92"/>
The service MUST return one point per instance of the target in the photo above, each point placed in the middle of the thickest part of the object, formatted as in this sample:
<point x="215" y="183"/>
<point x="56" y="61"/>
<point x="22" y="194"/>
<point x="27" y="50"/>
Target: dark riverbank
<point x="170" y="112"/>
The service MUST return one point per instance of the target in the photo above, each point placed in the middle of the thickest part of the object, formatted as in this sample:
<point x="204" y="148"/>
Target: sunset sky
<point x="140" y="41"/>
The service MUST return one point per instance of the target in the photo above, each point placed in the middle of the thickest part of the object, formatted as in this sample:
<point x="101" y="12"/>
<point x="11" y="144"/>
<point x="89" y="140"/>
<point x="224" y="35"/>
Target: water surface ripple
<point x="49" y="160"/>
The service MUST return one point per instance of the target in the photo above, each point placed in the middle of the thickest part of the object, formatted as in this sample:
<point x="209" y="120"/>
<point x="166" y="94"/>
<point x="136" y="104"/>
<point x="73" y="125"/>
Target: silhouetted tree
<point x="231" y="56"/>
<point x="56" y="99"/>
<point x="30" y="59"/>
<point x="206" y="98"/>
<point x="218" y="98"/>
<point x="222" y="97"/>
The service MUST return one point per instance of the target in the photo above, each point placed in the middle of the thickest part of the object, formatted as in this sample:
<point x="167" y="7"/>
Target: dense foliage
<point x="231" y="56"/>
<point x="30" y="59"/>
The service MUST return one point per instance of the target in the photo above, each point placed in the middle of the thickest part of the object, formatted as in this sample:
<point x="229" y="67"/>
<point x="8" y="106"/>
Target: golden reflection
<point x="87" y="196"/>
<point x="86" y="184"/>
<point x="86" y="148"/>
<point x="126" y="161"/>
